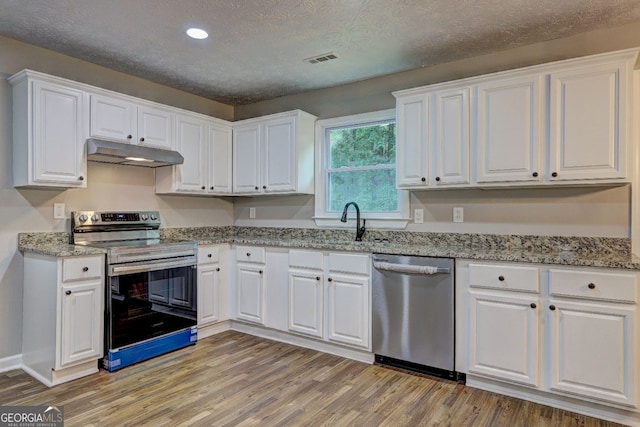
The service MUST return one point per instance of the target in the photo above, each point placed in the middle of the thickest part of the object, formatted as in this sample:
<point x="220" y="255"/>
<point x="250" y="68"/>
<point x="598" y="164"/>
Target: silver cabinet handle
<point x="410" y="269"/>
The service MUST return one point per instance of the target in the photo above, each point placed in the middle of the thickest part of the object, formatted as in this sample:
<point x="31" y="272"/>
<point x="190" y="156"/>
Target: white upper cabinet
<point x="191" y="142"/>
<point x="274" y="154"/>
<point x="120" y="119"/>
<point x="433" y="139"/>
<point x="508" y="130"/>
<point x="246" y="158"/>
<point x="412" y="158"/>
<point x="451" y="139"/>
<point x="589" y="123"/>
<point x="219" y="147"/>
<point x="49" y="130"/>
<point x="563" y="123"/>
<point x="205" y="144"/>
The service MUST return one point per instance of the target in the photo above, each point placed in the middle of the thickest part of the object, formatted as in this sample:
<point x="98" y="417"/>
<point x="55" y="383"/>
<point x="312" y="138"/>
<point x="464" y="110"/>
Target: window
<point x="357" y="163"/>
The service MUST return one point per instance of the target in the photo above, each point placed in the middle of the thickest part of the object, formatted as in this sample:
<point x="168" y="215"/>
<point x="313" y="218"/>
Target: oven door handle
<point x="143" y="267"/>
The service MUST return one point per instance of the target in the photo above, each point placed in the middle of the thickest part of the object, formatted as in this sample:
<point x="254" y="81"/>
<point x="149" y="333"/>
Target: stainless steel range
<point x="150" y="301"/>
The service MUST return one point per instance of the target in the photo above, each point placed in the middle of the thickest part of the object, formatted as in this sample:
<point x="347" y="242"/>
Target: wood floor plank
<point x="233" y="379"/>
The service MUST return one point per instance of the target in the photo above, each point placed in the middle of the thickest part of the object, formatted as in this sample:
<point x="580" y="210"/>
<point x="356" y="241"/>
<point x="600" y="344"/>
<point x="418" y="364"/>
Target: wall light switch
<point x="252" y="213"/>
<point x="418" y="216"/>
<point x="58" y="211"/>
<point x="458" y="214"/>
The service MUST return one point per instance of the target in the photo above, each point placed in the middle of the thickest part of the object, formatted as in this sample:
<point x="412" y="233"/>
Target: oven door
<point x="150" y="299"/>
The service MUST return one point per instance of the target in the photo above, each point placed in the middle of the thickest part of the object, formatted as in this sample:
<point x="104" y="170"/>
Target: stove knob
<point x="95" y="217"/>
<point x="154" y="217"/>
<point x="82" y="218"/>
<point x="144" y="217"/>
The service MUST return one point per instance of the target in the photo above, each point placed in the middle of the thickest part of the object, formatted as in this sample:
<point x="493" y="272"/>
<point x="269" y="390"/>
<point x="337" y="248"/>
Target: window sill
<point x="372" y="223"/>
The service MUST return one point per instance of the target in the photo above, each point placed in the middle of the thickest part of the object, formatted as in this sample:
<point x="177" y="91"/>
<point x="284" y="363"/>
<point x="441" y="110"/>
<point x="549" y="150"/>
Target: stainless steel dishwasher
<point x="413" y="301"/>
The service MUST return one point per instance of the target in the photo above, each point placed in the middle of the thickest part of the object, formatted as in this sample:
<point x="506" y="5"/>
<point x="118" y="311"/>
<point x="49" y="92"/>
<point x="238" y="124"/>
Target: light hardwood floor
<point x="233" y="379"/>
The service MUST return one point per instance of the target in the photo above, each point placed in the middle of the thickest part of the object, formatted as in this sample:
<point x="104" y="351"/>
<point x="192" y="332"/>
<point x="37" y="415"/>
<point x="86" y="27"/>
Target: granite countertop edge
<point x="619" y="261"/>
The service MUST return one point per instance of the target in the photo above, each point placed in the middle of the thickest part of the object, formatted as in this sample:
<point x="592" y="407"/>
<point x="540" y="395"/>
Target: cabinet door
<point x="306" y="302"/>
<point x="588" y="126"/>
<point x="246" y="159"/>
<point x="593" y="350"/>
<point x="112" y="118"/>
<point x="155" y="127"/>
<point x="208" y="294"/>
<point x="451" y="142"/>
<point x="219" y="159"/>
<point x="250" y="296"/>
<point x="279" y="151"/>
<point x="504" y="337"/>
<point x="348" y="309"/>
<point x="190" y="142"/>
<point x="509" y="130"/>
<point x="81" y="322"/>
<point x="58" y="135"/>
<point x="412" y="145"/>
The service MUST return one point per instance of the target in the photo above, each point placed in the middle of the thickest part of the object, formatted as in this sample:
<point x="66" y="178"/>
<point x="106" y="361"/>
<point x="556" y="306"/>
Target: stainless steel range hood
<point x="100" y="150"/>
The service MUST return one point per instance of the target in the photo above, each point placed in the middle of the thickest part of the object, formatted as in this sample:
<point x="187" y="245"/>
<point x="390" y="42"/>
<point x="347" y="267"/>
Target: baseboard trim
<point x="629" y="416"/>
<point x="216" y="328"/>
<point x="10" y="363"/>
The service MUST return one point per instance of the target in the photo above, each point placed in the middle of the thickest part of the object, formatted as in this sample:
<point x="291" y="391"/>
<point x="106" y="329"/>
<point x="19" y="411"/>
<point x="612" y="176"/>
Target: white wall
<point x="595" y="212"/>
<point x="108" y="186"/>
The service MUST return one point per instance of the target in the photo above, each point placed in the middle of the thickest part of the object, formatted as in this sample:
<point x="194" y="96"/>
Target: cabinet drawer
<point x="82" y="268"/>
<point x="349" y="263"/>
<point x="524" y="279"/>
<point x="250" y="254"/>
<point x="306" y="259"/>
<point x="208" y="254"/>
<point x="593" y="285"/>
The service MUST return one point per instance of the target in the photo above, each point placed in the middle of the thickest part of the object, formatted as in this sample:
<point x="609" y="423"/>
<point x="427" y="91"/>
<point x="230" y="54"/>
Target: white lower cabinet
<point x="213" y="284"/>
<point x="577" y="337"/>
<point x="329" y="296"/>
<point x="250" y="284"/>
<point x="505" y="343"/>
<point x="306" y="302"/>
<point x="592" y="335"/>
<point x="63" y="317"/>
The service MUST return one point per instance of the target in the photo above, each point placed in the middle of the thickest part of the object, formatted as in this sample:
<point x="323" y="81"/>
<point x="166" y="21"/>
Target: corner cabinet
<point x="205" y="144"/>
<point x="562" y="123"/>
<point x="49" y="130"/>
<point x="565" y="331"/>
<point x="63" y="317"/>
<point x="274" y="154"/>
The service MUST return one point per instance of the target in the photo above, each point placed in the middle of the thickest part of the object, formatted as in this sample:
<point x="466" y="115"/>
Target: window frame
<point x="325" y="218"/>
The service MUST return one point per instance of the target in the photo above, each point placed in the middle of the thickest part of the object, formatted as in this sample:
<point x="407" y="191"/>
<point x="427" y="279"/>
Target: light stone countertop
<point x="570" y="251"/>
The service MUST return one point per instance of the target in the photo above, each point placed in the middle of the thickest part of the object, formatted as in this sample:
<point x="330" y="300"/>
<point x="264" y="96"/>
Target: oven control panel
<point x="89" y="218"/>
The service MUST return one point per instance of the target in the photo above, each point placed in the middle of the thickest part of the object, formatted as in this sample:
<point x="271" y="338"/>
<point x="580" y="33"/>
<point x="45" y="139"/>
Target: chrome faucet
<point x="359" y="230"/>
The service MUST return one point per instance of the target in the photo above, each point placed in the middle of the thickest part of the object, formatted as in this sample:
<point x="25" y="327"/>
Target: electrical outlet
<point x="418" y="216"/>
<point x="58" y="211"/>
<point x="458" y="214"/>
<point x="252" y="213"/>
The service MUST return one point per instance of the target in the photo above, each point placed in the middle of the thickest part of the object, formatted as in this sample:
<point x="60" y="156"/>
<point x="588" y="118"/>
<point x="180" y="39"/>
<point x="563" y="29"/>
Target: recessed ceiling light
<point x="197" y="33"/>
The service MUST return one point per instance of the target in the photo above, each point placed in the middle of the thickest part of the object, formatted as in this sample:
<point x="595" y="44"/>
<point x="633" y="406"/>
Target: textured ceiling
<point x="256" y="48"/>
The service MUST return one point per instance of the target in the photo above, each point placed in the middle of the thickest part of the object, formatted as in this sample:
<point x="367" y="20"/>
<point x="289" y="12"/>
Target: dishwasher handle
<point x="410" y="269"/>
